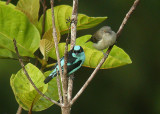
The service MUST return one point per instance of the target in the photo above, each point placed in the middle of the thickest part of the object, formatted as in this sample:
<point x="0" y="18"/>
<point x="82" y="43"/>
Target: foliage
<point x="25" y="93"/>
<point x="21" y="22"/>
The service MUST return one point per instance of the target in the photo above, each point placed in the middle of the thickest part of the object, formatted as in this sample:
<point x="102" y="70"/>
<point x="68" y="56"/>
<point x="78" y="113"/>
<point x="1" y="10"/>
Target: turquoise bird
<point x="76" y="58"/>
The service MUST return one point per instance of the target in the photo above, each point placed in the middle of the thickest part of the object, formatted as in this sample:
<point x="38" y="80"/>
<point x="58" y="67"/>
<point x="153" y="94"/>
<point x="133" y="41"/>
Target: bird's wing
<point x="73" y="67"/>
<point x="70" y="60"/>
<point x="57" y="63"/>
<point x="93" y="39"/>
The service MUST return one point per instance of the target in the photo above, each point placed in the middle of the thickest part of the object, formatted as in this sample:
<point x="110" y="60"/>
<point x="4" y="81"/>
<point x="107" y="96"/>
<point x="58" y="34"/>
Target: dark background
<point x="131" y="89"/>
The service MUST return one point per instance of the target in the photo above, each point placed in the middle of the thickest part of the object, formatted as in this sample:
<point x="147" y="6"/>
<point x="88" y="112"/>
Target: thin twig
<point x="19" y="111"/>
<point x="127" y="17"/>
<point x="73" y="42"/>
<point x="55" y="39"/>
<point x="26" y="73"/>
<point x="50" y="65"/>
<point x="65" y="79"/>
<point x="59" y="88"/>
<point x="74" y="23"/>
<point x="108" y="51"/>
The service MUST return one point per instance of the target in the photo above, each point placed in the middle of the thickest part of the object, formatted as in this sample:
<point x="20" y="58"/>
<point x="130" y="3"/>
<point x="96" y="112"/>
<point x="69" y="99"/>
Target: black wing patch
<point x="94" y="40"/>
<point x="71" y="59"/>
<point x="73" y="66"/>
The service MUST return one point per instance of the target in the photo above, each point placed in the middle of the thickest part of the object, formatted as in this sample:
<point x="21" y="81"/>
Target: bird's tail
<point x="49" y="78"/>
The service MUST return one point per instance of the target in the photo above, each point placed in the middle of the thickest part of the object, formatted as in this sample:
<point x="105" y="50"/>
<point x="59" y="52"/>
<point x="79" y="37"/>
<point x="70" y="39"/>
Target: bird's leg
<point x="68" y="20"/>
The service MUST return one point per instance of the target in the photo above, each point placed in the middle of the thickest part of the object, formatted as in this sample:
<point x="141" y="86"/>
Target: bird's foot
<point x="69" y="20"/>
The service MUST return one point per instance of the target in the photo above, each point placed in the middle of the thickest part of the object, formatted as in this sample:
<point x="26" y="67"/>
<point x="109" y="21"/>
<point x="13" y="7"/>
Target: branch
<point x="64" y="78"/>
<point x="55" y="38"/>
<point x="26" y="73"/>
<point x="8" y="1"/>
<point x="74" y="23"/>
<point x="107" y="52"/>
<point x="70" y="87"/>
<point x="44" y="15"/>
<point x="59" y="87"/>
<point x="19" y="111"/>
<point x="73" y="41"/>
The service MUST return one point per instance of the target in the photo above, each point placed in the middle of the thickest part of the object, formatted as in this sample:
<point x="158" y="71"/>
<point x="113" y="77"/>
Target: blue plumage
<point x="75" y="60"/>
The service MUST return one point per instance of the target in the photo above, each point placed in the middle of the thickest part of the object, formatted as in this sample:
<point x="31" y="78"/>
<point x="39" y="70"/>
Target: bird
<point x="103" y="38"/>
<point x="75" y="59"/>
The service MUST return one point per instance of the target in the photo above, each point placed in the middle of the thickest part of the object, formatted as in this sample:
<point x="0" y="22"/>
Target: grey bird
<point x="103" y="38"/>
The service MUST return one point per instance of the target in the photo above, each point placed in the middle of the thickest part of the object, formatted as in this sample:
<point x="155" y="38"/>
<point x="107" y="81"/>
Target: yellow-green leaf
<point x="24" y="91"/>
<point x="47" y="42"/>
<point x="45" y="47"/>
<point x="5" y="53"/>
<point x="63" y="12"/>
<point x="52" y="92"/>
<point x="30" y="8"/>
<point x="14" y="24"/>
<point x="48" y="35"/>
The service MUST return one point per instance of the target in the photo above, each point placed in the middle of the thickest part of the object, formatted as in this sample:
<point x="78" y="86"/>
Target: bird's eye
<point x="76" y="51"/>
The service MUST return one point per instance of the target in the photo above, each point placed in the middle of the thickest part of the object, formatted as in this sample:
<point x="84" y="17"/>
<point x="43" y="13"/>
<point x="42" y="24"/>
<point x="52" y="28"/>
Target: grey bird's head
<point x="104" y="30"/>
<point x="103" y="38"/>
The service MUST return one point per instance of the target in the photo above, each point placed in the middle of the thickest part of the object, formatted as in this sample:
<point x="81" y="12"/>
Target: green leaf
<point x="24" y="92"/>
<point x="5" y="53"/>
<point x="45" y="47"/>
<point x="30" y="8"/>
<point x="52" y="92"/>
<point x="116" y="58"/>
<point x="47" y="42"/>
<point x="63" y="12"/>
<point x="14" y="24"/>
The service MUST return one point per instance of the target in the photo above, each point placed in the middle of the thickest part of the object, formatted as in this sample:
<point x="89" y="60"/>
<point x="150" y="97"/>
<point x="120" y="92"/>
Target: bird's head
<point x="77" y="50"/>
<point x="105" y="29"/>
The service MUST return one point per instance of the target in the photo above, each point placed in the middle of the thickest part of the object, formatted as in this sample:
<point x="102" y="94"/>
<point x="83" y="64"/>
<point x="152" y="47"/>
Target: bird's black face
<point x="77" y="50"/>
